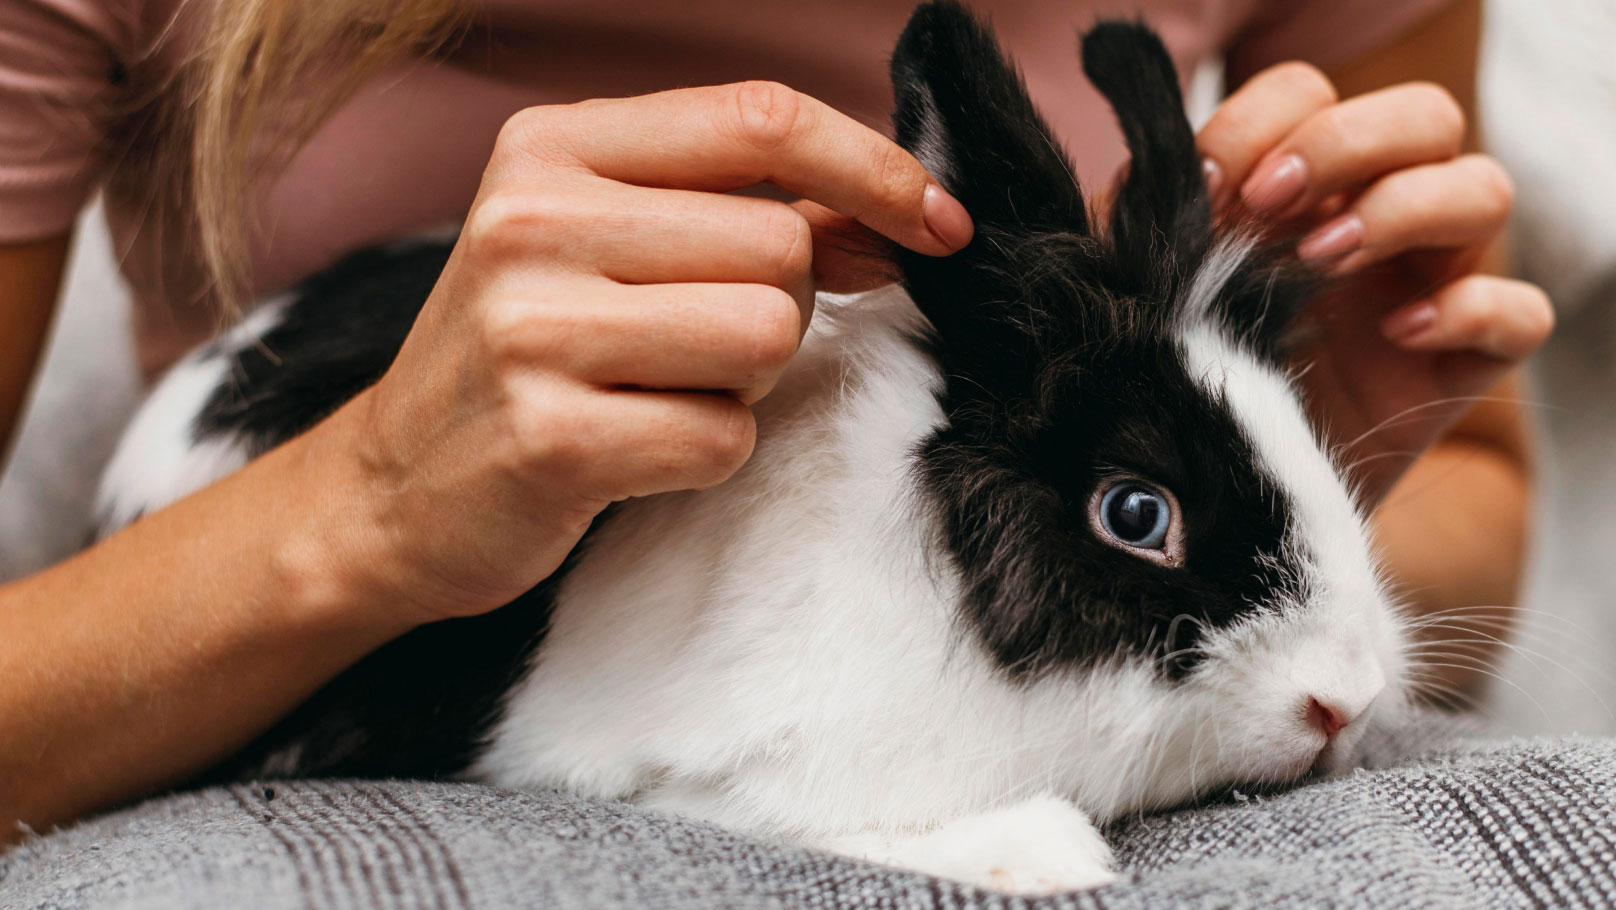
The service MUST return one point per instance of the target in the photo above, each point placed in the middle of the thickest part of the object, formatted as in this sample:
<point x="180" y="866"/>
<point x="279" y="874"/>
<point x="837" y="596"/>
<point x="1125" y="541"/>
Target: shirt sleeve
<point x="59" y="66"/>
<point x="1326" y="33"/>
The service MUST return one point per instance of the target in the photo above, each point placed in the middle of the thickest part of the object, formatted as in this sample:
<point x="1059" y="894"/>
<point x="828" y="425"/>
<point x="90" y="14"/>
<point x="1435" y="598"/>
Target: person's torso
<point x="408" y="151"/>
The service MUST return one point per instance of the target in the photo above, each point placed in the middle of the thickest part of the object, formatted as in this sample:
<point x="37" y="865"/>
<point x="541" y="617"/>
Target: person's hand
<point x="1378" y="190"/>
<point x="605" y="319"/>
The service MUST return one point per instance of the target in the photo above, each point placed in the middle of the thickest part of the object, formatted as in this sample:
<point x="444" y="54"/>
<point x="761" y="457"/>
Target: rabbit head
<point x="1126" y="483"/>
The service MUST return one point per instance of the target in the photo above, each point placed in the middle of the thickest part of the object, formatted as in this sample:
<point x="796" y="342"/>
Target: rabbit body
<point x="901" y="631"/>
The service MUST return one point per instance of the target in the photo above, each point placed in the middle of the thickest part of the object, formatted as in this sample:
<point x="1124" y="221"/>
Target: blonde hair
<point x="266" y="75"/>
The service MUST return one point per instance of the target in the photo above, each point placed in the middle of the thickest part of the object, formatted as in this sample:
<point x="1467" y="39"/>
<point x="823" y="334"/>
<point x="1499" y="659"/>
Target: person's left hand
<point x="1380" y="194"/>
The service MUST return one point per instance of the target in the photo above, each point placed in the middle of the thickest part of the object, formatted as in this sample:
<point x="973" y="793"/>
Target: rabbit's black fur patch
<point x="421" y="705"/>
<point x="1060" y="351"/>
<point x="1060" y="348"/>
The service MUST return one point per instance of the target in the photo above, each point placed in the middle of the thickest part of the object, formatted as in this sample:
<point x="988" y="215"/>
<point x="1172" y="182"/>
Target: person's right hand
<point x="602" y="325"/>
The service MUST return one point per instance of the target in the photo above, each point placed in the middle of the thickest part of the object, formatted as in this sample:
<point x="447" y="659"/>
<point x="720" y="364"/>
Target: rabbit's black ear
<point x="963" y="111"/>
<point x="1161" y="212"/>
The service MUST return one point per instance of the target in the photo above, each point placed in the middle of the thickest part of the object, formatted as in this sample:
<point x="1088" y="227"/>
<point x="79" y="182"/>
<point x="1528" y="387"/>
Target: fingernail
<point x="1409" y="321"/>
<point x="1276" y="184"/>
<point x="1336" y="237"/>
<point x="1213" y="175"/>
<point x="946" y="218"/>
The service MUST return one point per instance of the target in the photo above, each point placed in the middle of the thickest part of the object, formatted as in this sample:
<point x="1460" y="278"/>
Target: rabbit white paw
<point x="1041" y="846"/>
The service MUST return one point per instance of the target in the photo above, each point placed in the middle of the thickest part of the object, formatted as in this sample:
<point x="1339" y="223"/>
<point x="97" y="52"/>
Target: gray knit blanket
<point x="1464" y="823"/>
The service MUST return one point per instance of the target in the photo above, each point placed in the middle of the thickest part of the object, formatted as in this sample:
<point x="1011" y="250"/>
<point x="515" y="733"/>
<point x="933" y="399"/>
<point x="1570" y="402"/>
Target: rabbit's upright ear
<point x="963" y="111"/>
<point x="1161" y="215"/>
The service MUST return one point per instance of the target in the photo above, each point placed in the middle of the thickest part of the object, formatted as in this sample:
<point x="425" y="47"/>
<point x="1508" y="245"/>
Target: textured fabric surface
<point x="1466" y="824"/>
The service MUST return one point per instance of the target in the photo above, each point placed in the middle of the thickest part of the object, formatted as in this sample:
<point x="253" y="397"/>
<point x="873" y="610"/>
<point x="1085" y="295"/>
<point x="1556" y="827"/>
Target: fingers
<point x="673" y="441"/>
<point x="634" y="235"/>
<point x="848" y="257"/>
<point x="1350" y="144"/>
<point x="610" y="445"/>
<point x="727" y="137"/>
<point x="734" y="338"/>
<point x="639" y="236"/>
<point x="1456" y="204"/>
<point x="1501" y="318"/>
<point x="1255" y="119"/>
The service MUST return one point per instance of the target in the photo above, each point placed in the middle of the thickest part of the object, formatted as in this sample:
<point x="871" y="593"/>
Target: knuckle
<point x="1306" y="81"/>
<point x="501" y="328"/>
<point x="1249" y="115"/>
<point x="1439" y="106"/>
<point x="1545" y="322"/>
<point x="1420" y="207"/>
<point x="1332" y="128"/>
<point x="728" y="439"/>
<point x="1497" y="190"/>
<point x="900" y="180"/>
<point x="1232" y="132"/>
<point x="528" y="333"/>
<point x="547" y="436"/>
<point x="1477" y="308"/>
<point x="485" y="234"/>
<point x="788" y="242"/>
<point x="700" y="446"/>
<point x="518" y="129"/>
<point x="1468" y="321"/>
<point x="765" y="114"/>
<point x="1537" y="311"/>
<point x="774" y="337"/>
<point x="530" y="133"/>
<point x="505" y="225"/>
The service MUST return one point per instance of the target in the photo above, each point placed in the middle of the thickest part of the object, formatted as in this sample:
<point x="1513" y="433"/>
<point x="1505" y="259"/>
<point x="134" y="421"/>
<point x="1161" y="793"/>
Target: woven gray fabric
<point x="1471" y="824"/>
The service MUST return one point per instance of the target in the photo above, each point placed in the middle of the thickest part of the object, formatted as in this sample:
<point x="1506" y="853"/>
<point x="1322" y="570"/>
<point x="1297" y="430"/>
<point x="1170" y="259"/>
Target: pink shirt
<point x="408" y="151"/>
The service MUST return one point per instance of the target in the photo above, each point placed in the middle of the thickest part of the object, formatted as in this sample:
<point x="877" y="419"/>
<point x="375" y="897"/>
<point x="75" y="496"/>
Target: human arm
<point x="1428" y="221"/>
<point x="1454" y="529"/>
<point x="30" y="277"/>
<point x="603" y="323"/>
<point x="1453" y="533"/>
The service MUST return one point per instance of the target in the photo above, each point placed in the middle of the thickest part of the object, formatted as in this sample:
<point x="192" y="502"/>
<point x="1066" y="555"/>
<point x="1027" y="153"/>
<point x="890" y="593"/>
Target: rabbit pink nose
<point x="1329" y="717"/>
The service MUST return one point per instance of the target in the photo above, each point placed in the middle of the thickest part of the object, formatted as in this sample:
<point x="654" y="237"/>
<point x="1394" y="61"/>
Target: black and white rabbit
<point x="1039" y="538"/>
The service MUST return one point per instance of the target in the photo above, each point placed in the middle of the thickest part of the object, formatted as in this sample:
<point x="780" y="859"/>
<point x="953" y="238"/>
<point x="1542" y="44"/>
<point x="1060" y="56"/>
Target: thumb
<point x="848" y="256"/>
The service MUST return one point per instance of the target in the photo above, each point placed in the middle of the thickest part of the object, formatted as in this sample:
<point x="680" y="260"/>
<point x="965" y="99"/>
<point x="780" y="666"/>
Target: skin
<point x="542" y="382"/>
<point x="30" y="274"/>
<point x="511" y="417"/>
<point x="1460" y="568"/>
<point x="1430" y="212"/>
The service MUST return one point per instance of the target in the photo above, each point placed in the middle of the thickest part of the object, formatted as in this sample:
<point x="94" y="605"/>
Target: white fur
<point x="1039" y="846"/>
<point x="781" y="653"/>
<point x="1340" y="641"/>
<point x="1221" y="263"/>
<point x="158" y="460"/>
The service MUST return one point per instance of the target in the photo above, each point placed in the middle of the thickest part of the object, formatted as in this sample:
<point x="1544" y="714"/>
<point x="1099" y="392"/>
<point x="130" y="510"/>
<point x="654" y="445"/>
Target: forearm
<point x="1453" y="529"/>
<point x="30" y="274"/>
<point x="161" y="650"/>
<point x="1453" y="535"/>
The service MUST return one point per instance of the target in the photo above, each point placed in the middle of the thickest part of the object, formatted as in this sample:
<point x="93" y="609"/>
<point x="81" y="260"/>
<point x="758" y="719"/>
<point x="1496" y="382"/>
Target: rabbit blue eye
<point x="1136" y="515"/>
